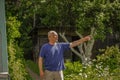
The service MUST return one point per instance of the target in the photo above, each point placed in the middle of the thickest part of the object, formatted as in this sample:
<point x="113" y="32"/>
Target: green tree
<point x="95" y="18"/>
<point x="16" y="62"/>
<point x="91" y="17"/>
<point x="23" y="11"/>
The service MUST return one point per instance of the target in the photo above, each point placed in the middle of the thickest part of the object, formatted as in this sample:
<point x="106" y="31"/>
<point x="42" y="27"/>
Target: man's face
<point x="53" y="37"/>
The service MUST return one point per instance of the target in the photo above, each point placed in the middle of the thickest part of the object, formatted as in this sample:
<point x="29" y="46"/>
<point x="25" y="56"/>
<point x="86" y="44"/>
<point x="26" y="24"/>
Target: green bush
<point x="105" y="67"/>
<point x="17" y="68"/>
<point x="109" y="62"/>
<point x="33" y="66"/>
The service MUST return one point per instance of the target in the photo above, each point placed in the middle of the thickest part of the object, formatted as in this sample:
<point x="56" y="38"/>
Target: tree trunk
<point x="85" y="49"/>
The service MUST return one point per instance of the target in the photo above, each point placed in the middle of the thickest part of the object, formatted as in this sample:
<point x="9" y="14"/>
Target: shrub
<point x="33" y="66"/>
<point x="105" y="67"/>
<point x="17" y="67"/>
<point x="108" y="63"/>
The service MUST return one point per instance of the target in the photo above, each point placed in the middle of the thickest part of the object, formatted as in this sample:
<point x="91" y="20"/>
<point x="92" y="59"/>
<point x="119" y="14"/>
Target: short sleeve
<point x="66" y="46"/>
<point x="42" y="52"/>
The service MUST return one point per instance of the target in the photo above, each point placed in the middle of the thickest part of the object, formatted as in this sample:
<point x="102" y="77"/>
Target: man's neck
<point x="52" y="43"/>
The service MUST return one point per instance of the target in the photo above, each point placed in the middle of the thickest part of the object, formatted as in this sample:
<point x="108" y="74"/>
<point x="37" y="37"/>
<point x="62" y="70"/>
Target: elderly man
<point x="51" y="56"/>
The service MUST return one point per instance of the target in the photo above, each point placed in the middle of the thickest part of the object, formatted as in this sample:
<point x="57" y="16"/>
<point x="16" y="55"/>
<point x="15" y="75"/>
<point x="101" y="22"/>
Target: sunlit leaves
<point x="105" y="67"/>
<point x="103" y="15"/>
<point x="13" y="28"/>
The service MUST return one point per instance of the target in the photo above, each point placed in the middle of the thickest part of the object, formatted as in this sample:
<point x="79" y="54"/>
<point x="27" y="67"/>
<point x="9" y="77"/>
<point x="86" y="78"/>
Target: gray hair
<point x="52" y="32"/>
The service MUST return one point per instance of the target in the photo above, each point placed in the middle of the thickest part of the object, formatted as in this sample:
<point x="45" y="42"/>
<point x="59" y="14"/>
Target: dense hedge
<point x="105" y="67"/>
<point x="17" y="68"/>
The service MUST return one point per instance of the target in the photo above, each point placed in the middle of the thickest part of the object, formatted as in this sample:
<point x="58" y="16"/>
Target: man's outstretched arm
<point x="78" y="42"/>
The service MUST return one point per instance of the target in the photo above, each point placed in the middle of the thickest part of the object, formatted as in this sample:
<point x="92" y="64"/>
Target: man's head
<point x="52" y="36"/>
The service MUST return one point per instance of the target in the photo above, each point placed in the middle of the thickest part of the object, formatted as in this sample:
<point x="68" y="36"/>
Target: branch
<point x="93" y="32"/>
<point x="91" y="42"/>
<point x="80" y="47"/>
<point x="78" y="34"/>
<point x="65" y="39"/>
<point x="63" y="36"/>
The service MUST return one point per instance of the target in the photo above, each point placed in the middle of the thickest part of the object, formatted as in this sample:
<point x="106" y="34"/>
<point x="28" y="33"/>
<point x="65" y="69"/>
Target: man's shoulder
<point x="44" y="45"/>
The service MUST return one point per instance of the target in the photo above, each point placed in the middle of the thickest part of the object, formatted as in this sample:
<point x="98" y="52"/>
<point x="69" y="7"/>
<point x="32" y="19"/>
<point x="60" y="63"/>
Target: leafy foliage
<point x="105" y="67"/>
<point x="100" y="14"/>
<point x="33" y="66"/>
<point x="16" y="62"/>
<point x="111" y="58"/>
<point x="13" y="28"/>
